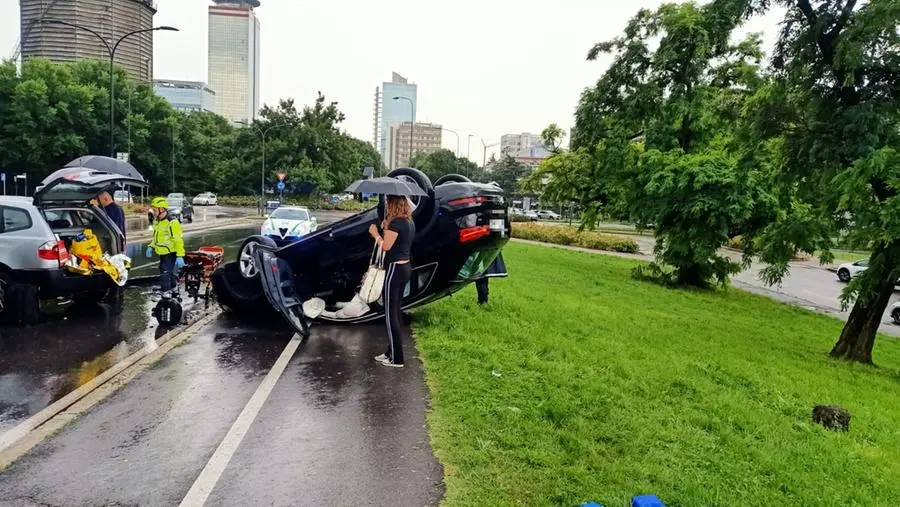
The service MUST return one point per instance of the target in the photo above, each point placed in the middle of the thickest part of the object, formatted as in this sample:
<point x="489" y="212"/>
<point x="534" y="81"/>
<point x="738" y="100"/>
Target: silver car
<point x="35" y="236"/>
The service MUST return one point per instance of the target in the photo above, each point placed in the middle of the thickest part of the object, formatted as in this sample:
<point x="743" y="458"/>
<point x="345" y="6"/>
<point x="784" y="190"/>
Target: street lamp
<point x="263" y="132"/>
<point x="457" y="138"/>
<point x="412" y="123"/>
<point x="469" y="146"/>
<point x="486" y="146"/>
<point x="111" y="49"/>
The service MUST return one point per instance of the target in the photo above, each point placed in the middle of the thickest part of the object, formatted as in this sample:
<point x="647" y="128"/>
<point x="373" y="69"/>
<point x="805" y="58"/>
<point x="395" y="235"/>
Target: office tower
<point x="234" y="58"/>
<point x="186" y="96"/>
<point x="111" y="19"/>
<point x="390" y="111"/>
<point x="426" y="138"/>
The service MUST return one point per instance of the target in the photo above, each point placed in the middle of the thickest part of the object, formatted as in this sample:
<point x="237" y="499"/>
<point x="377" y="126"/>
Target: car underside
<point x="460" y="228"/>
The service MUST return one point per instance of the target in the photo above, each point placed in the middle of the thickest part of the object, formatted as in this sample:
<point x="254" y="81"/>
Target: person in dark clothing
<point x="113" y="211"/>
<point x="497" y="269"/>
<point x="399" y="231"/>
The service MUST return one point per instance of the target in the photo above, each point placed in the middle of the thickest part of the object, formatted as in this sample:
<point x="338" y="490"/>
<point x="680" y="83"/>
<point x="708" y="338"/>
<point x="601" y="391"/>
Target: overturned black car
<point x="460" y="228"/>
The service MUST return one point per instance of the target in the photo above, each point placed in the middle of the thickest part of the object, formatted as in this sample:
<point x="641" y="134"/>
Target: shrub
<point x="561" y="235"/>
<point x="134" y="208"/>
<point x="317" y="203"/>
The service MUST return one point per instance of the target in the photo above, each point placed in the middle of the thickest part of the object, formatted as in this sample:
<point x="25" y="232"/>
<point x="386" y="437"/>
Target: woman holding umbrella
<point x="399" y="230"/>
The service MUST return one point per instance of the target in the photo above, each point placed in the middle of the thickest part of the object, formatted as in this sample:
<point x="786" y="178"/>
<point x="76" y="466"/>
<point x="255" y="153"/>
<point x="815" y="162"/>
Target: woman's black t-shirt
<point x="405" y="230"/>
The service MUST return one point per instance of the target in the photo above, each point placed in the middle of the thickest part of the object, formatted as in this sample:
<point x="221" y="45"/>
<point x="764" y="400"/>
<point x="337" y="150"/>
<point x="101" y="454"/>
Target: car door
<point x="77" y="187"/>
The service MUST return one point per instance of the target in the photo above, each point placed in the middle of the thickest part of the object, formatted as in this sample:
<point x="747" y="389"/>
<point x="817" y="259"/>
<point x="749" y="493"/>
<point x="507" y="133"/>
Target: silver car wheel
<point x="248" y="264"/>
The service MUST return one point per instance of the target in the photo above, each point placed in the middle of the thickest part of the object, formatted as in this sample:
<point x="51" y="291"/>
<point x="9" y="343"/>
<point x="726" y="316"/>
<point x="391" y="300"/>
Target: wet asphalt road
<point x="338" y="429"/>
<point x="41" y="364"/>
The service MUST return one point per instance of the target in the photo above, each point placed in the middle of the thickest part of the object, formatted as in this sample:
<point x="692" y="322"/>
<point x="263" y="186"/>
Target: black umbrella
<point x="385" y="186"/>
<point x="107" y="164"/>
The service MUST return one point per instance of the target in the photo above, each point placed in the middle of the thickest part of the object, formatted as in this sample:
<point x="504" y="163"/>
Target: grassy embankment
<point x="579" y="383"/>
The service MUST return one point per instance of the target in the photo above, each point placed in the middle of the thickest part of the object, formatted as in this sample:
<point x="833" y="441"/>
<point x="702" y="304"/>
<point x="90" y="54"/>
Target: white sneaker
<point x="391" y="365"/>
<point x="381" y="358"/>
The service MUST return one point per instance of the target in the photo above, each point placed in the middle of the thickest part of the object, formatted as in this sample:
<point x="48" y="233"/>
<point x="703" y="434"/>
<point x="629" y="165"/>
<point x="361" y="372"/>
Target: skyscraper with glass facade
<point x="389" y="111"/>
<point x="234" y="58"/>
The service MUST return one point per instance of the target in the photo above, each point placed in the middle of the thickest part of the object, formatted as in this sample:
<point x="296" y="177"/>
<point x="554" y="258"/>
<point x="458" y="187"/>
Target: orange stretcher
<point x="199" y="266"/>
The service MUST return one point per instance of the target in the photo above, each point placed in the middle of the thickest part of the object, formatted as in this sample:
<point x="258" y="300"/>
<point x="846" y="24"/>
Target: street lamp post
<point x="469" y="146"/>
<point x="111" y="49"/>
<point x="457" y="138"/>
<point x="412" y="124"/>
<point x="486" y="146"/>
<point x="263" y="132"/>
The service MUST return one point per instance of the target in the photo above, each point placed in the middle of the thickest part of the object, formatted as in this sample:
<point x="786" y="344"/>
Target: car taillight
<point x="54" y="251"/>
<point x="467" y="200"/>
<point x="473" y="233"/>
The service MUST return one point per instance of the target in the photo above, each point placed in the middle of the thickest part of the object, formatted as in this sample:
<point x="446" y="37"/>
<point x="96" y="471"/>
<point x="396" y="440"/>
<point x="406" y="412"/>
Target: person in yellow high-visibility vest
<point x="168" y="243"/>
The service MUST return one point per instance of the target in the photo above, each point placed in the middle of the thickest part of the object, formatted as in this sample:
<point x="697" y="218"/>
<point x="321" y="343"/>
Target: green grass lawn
<point x="578" y="383"/>
<point x="842" y="256"/>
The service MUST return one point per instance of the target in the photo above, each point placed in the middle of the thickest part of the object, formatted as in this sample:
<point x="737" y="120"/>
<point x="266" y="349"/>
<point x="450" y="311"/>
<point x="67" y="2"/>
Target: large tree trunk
<point x="858" y="337"/>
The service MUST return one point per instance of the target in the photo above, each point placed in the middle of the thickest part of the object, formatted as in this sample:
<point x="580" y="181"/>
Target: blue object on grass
<point x="646" y="501"/>
<point x="591" y="504"/>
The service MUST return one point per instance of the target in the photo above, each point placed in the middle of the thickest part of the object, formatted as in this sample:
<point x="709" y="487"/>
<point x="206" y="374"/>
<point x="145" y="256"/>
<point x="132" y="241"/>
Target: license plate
<point x="496" y="224"/>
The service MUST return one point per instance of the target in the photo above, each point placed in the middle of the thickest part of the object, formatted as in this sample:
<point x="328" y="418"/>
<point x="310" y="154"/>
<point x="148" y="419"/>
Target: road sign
<point x="124" y="156"/>
<point x="3" y="177"/>
<point x="281" y="176"/>
<point x="280" y="185"/>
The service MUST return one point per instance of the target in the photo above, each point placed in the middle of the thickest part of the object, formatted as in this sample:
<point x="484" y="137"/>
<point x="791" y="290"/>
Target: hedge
<point x="320" y="203"/>
<point x="562" y="235"/>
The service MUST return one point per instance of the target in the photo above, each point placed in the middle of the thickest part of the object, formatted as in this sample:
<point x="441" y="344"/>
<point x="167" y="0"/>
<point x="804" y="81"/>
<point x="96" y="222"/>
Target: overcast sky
<point x="483" y="67"/>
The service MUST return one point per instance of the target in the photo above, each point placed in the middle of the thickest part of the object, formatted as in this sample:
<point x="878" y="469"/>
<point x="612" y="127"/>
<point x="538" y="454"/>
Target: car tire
<point x="451" y="178"/>
<point x="235" y="293"/>
<point x="21" y="301"/>
<point x="895" y="315"/>
<point x="246" y="262"/>
<point x="425" y="214"/>
<point x="843" y="275"/>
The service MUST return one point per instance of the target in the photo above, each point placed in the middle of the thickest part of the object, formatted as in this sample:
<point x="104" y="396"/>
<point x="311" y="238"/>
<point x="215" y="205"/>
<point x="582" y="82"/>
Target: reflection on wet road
<point x="338" y="429"/>
<point x="41" y="364"/>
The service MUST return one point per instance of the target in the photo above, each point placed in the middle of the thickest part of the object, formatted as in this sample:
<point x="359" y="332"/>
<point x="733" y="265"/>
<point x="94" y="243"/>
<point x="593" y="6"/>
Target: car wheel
<point x="424" y="208"/>
<point x="895" y="314"/>
<point x="448" y="178"/>
<point x="19" y="302"/>
<point x="246" y="262"/>
<point x="843" y="275"/>
<point x="235" y="293"/>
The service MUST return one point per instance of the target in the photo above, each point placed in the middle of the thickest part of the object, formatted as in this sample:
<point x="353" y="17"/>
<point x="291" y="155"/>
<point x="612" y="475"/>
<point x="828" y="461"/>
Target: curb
<point x="18" y="441"/>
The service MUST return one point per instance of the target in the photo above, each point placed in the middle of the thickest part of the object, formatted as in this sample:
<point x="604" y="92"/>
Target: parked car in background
<point x="205" y="199"/>
<point x="123" y="197"/>
<point x="287" y="224"/>
<point x="179" y="208"/>
<point x="548" y="215"/>
<point x="36" y="234"/>
<point x="531" y="215"/>
<point x="848" y="270"/>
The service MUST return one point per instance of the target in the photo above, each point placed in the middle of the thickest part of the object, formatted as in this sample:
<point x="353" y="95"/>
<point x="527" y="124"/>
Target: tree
<point x="659" y="127"/>
<point x="552" y="137"/>
<point x="832" y="117"/>
<point x="506" y="172"/>
<point x="442" y="162"/>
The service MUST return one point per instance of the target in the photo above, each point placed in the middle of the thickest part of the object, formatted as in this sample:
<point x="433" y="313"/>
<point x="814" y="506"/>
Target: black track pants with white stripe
<point x="395" y="280"/>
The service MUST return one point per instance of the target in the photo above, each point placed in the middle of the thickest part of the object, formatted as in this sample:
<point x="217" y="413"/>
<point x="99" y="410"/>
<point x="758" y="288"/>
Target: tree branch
<point x="807" y="11"/>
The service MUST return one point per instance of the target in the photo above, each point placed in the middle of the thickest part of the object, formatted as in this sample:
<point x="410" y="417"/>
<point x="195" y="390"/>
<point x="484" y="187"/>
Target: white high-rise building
<point x="234" y="58"/>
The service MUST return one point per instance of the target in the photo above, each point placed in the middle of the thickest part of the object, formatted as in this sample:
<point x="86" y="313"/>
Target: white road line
<point x="208" y="478"/>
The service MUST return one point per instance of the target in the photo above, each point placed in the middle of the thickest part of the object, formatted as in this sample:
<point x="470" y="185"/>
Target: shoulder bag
<point x="374" y="280"/>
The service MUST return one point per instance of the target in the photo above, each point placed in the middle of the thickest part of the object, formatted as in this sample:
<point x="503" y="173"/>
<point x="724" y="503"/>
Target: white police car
<point x="287" y="224"/>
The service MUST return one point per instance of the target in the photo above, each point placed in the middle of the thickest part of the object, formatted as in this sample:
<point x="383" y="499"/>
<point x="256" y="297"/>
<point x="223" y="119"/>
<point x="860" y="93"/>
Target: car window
<point x="290" y="214"/>
<point x="14" y="219"/>
<point x="63" y="218"/>
<point x="863" y="263"/>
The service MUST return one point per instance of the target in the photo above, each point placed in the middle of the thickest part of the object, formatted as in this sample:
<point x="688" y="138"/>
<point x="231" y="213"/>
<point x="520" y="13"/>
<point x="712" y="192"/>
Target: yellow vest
<point x="167" y="237"/>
